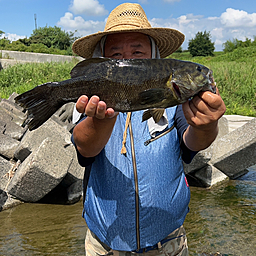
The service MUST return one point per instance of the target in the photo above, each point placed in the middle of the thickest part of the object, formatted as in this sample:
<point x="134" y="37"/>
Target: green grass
<point x="22" y="77"/>
<point x="234" y="74"/>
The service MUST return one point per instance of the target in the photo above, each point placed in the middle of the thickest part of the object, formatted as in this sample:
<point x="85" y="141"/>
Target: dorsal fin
<point x="81" y="67"/>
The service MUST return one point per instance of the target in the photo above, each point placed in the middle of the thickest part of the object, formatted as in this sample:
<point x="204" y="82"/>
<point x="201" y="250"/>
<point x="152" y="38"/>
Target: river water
<point x="221" y="219"/>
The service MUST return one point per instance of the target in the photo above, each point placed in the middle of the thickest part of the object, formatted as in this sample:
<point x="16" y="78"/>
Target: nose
<point x="127" y="55"/>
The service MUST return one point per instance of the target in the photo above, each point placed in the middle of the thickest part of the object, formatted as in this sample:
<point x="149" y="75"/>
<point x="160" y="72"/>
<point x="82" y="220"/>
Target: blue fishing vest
<point x="122" y="218"/>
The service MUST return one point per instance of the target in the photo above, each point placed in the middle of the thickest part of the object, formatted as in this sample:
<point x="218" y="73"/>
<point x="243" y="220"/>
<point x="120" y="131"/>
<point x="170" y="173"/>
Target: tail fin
<point x="40" y="104"/>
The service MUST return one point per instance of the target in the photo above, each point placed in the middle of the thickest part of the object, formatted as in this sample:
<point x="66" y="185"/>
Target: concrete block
<point x="14" y="131"/>
<point x="3" y="199"/>
<point x="12" y="107"/>
<point x="40" y="172"/>
<point x="5" y="167"/>
<point x="236" y="151"/>
<point x="204" y="156"/>
<point x="8" y="146"/>
<point x="6" y="114"/>
<point x="75" y="192"/>
<point x="7" y="201"/>
<point x="209" y="175"/>
<point x="12" y="57"/>
<point x="236" y="121"/>
<point x="33" y="139"/>
<point x="75" y="171"/>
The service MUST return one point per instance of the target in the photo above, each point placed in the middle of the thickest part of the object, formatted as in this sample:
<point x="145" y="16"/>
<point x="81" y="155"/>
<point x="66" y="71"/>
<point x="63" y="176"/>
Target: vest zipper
<point x="136" y="186"/>
<point x="159" y="136"/>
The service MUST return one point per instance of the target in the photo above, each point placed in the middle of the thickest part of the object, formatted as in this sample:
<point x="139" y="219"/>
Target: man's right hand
<point x="94" y="107"/>
<point x="92" y="133"/>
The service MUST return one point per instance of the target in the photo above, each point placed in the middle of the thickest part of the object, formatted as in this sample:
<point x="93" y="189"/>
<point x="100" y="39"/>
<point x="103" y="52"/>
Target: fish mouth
<point x="176" y="90"/>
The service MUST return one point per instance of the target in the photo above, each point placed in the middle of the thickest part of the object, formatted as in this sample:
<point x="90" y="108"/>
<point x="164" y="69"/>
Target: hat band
<point x="127" y="26"/>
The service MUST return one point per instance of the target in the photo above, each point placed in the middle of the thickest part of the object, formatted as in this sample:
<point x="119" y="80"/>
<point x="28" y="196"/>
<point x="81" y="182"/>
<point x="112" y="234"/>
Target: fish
<point x="125" y="85"/>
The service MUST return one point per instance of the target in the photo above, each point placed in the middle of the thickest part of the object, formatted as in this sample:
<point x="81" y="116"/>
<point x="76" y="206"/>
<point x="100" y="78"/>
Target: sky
<point x="224" y="19"/>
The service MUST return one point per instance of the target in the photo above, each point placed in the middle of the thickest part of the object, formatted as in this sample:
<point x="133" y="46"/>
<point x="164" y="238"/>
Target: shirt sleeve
<point x="181" y="126"/>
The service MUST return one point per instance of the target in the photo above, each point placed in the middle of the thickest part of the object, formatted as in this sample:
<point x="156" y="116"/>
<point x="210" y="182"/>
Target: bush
<point x="230" y="46"/>
<point x="201" y="45"/>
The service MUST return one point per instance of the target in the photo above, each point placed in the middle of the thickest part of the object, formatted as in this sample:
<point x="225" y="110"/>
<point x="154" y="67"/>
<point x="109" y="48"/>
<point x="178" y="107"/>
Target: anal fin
<point x="156" y="113"/>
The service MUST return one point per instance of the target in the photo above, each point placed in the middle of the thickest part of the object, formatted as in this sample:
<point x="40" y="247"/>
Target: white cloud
<point x="235" y="18"/>
<point x="229" y="25"/>
<point x="83" y="27"/>
<point x="12" y="37"/>
<point x="88" y="7"/>
<point x="217" y="32"/>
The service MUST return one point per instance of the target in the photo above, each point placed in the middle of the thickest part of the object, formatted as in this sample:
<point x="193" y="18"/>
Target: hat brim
<point x="168" y="40"/>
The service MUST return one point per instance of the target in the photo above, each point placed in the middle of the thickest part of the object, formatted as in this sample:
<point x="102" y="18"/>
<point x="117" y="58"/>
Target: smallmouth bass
<point x="125" y="86"/>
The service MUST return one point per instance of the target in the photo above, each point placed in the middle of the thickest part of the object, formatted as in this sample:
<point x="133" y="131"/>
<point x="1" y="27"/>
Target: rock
<point x="3" y="199"/>
<point x="2" y="126"/>
<point x="236" y="121"/>
<point x="5" y="167"/>
<point x="6" y="115"/>
<point x="12" y="97"/>
<point x="11" y="107"/>
<point x="8" y="146"/>
<point x="236" y="151"/>
<point x="40" y="172"/>
<point x="33" y="139"/>
<point x="7" y="201"/>
<point x="13" y="130"/>
<point x="209" y="175"/>
<point x="203" y="157"/>
<point x="64" y="116"/>
<point x="75" y="192"/>
<point x="75" y="171"/>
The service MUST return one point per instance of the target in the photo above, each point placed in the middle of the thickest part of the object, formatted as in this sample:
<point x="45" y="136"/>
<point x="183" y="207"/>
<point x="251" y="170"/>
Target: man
<point x="137" y="202"/>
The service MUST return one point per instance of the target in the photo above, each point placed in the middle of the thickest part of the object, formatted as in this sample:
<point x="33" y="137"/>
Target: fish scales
<point x="125" y="85"/>
<point x="119" y="84"/>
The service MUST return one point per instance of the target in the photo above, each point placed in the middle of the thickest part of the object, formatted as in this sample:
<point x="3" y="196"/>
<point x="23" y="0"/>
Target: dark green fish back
<point x="120" y="83"/>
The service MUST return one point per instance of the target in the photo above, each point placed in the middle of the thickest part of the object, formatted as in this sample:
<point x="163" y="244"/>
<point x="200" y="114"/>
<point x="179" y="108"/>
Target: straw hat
<point x="129" y="17"/>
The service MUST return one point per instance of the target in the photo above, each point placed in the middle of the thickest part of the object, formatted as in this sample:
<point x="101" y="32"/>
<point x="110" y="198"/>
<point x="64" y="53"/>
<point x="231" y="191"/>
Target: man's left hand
<point x="202" y="114"/>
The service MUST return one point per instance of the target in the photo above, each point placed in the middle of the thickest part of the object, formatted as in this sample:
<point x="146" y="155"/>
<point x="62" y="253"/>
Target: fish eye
<point x="199" y="68"/>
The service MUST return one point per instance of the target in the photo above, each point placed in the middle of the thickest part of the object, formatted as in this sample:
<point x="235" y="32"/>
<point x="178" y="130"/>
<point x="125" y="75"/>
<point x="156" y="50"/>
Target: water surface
<point x="221" y="219"/>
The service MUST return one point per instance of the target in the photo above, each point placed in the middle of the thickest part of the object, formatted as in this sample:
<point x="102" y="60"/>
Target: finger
<point x="198" y="105"/>
<point x="92" y="105"/>
<point x="81" y="103"/>
<point x="101" y="110"/>
<point x="213" y="100"/>
<point x="110" y="113"/>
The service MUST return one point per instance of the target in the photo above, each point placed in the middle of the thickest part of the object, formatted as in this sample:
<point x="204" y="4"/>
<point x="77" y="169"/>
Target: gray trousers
<point x="175" y="246"/>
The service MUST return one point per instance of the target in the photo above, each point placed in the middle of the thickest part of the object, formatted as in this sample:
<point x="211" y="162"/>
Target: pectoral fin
<point x="156" y="113"/>
<point x="151" y="96"/>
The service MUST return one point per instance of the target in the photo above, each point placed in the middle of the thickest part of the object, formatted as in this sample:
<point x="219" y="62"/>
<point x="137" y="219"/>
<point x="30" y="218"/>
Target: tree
<point x="4" y="42"/>
<point x="201" y="45"/>
<point x="230" y="46"/>
<point x="52" y="37"/>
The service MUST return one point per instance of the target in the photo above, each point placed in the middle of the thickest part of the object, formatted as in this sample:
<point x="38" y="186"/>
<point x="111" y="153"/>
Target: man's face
<point x="128" y="46"/>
